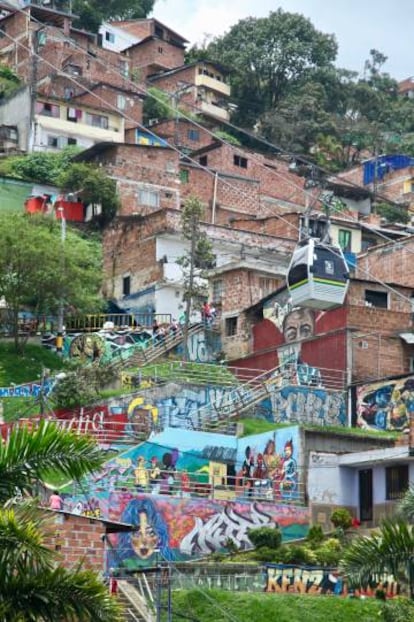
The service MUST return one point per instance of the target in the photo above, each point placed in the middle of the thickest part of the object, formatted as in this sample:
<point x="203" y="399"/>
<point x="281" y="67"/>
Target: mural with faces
<point x="307" y="341"/>
<point x="271" y="462"/>
<point x="386" y="405"/>
<point x="180" y="529"/>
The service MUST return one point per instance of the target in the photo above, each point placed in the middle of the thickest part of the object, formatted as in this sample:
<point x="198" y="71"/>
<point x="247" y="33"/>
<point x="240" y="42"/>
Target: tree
<point x="93" y="186"/>
<point x="41" y="166"/>
<point x="37" y="271"/>
<point x="33" y="585"/>
<point x="93" y="12"/>
<point x="390" y="550"/>
<point x="267" y="56"/>
<point x="195" y="261"/>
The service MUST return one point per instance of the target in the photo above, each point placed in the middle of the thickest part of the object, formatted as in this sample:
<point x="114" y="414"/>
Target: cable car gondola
<point x="318" y="276"/>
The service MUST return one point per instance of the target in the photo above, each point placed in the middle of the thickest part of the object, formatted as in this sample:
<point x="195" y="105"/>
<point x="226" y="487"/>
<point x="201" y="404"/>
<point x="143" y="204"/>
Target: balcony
<point x="64" y="127"/>
<point x="211" y="110"/>
<point x="212" y="84"/>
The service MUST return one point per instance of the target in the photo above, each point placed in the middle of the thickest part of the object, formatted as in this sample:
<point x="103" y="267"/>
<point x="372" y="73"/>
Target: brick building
<point x="81" y="538"/>
<point x="198" y="87"/>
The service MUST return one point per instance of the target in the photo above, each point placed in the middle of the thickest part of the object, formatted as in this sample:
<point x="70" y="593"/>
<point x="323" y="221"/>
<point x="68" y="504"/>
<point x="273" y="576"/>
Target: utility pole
<point x="59" y="337"/>
<point x="194" y="219"/>
<point x="38" y="41"/>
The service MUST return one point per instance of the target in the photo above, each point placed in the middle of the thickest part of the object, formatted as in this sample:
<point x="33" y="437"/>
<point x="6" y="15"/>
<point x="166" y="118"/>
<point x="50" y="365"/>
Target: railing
<point x="94" y="322"/>
<point x="170" y="483"/>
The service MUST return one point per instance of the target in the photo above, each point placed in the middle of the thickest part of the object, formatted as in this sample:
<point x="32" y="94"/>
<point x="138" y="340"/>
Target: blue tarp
<point x="378" y="167"/>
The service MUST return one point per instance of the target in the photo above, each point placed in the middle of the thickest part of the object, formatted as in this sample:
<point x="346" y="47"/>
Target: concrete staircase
<point x="142" y="356"/>
<point x="134" y="601"/>
<point x="212" y="416"/>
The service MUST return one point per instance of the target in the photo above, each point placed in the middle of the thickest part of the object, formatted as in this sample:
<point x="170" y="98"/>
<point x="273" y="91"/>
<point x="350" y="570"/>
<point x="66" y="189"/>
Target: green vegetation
<point x="208" y="606"/>
<point x="20" y="368"/>
<point x="341" y="518"/>
<point x="13" y="194"/>
<point x="9" y="82"/>
<point x="42" y="167"/>
<point x="38" y="271"/>
<point x="288" y="90"/>
<point x="197" y="373"/>
<point x="93" y="186"/>
<point x="34" y="585"/>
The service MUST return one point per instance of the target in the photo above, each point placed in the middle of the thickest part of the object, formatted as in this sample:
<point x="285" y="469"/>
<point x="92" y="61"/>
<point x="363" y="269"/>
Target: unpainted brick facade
<point x="392" y="262"/>
<point x="78" y="538"/>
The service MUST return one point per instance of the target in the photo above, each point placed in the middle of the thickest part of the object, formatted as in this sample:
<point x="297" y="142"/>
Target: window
<point x="53" y="141"/>
<point x="47" y="110"/>
<point x="184" y="176"/>
<point x="124" y="68"/>
<point x="149" y="197"/>
<point x="267" y="286"/>
<point x="193" y="135"/>
<point x="345" y="240"/>
<point x="73" y="114"/>
<point x="97" y="120"/>
<point x="217" y="292"/>
<point x="110" y="37"/>
<point x="72" y="141"/>
<point x="69" y="93"/>
<point x="74" y="70"/>
<point x="396" y="481"/>
<point x="203" y="160"/>
<point x="240" y="161"/>
<point x="376" y="299"/>
<point x="126" y="285"/>
<point x="160" y="50"/>
<point x="159" y="32"/>
<point x="121" y="102"/>
<point x="231" y="326"/>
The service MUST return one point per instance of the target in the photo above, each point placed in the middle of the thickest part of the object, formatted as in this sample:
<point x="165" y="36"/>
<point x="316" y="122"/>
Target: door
<point x="365" y="495"/>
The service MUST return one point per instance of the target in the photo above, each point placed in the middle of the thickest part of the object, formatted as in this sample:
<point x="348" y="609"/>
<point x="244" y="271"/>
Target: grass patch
<point x="196" y="373"/>
<point x="26" y="367"/>
<point x="21" y="368"/>
<point x="213" y="605"/>
<point x="258" y="426"/>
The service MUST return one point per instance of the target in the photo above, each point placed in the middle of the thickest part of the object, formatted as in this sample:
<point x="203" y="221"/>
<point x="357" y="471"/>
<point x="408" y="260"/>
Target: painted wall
<point x="328" y="484"/>
<point x="385" y="405"/>
<point x="183" y="529"/>
<point x="315" y="580"/>
<point x="307" y="405"/>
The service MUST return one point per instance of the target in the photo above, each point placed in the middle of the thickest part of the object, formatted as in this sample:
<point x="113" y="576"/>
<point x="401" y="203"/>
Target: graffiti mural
<point x="386" y="405"/>
<point x="268" y="464"/>
<point x="180" y="529"/>
<point x="315" y="580"/>
<point x="308" y="405"/>
<point x="30" y="389"/>
<point x="202" y="347"/>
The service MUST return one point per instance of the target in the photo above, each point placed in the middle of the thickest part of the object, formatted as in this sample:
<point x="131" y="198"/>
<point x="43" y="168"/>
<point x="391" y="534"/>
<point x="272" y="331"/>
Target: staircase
<point x="134" y="601"/>
<point x="242" y="398"/>
<point x="142" y="356"/>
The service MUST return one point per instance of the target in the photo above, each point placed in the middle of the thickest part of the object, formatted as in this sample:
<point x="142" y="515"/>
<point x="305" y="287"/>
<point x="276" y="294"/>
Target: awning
<point x="407" y="337"/>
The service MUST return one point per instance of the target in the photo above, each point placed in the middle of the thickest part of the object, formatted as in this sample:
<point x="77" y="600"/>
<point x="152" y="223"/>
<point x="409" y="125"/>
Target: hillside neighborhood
<point x="208" y="417"/>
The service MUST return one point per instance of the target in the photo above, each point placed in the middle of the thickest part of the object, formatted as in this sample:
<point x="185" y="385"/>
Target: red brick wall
<point x="392" y="263"/>
<point x="146" y="57"/>
<point x="78" y="539"/>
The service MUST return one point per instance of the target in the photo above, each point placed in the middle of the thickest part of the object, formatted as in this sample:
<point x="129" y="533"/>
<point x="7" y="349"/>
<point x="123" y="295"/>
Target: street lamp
<point x="59" y="336"/>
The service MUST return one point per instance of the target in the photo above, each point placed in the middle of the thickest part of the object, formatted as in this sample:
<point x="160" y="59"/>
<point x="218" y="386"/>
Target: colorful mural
<point x="322" y="580"/>
<point x="181" y="529"/>
<point x="269" y="462"/>
<point x="306" y="405"/>
<point x="312" y="342"/>
<point x="385" y="405"/>
<point x="30" y="389"/>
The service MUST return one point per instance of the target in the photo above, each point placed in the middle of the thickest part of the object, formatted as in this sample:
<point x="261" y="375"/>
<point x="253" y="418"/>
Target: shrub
<point x="266" y="554"/>
<point x="398" y="610"/>
<point x="341" y="518"/>
<point x="270" y="537"/>
<point x="329" y="553"/>
<point x="315" y="535"/>
<point x="296" y="554"/>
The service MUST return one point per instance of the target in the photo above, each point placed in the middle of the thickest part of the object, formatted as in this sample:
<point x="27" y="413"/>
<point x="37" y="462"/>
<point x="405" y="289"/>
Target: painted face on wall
<point x="299" y="324"/>
<point x="144" y="540"/>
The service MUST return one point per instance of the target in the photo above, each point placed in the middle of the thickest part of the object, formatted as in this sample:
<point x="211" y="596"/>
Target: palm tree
<point x="388" y="550"/>
<point x="33" y="587"/>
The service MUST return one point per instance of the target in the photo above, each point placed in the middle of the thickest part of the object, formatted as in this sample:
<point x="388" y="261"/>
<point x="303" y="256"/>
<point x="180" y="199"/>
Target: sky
<point x="359" y="25"/>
